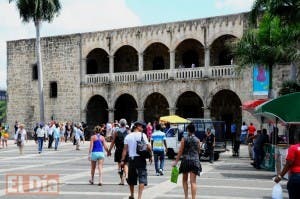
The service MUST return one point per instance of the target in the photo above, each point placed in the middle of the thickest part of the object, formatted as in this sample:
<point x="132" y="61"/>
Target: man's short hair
<point x="157" y="127"/>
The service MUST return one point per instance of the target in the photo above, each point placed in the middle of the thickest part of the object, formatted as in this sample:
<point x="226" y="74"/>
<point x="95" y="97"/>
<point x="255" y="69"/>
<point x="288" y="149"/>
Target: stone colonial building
<point x="140" y="73"/>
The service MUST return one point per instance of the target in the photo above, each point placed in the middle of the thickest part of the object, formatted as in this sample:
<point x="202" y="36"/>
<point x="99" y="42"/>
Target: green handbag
<point x="174" y="175"/>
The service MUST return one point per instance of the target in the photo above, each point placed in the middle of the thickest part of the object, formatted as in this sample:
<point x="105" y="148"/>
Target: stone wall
<point x="61" y="63"/>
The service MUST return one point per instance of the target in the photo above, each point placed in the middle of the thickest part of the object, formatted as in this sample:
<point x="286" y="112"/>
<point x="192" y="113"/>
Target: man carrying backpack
<point x="118" y="140"/>
<point x="137" y="166"/>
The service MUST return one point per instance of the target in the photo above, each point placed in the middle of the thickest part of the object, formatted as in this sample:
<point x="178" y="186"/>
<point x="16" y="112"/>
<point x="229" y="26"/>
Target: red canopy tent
<point x="250" y="105"/>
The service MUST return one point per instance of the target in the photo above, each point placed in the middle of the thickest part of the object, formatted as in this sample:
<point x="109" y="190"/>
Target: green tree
<point x="38" y="11"/>
<point x="274" y="40"/>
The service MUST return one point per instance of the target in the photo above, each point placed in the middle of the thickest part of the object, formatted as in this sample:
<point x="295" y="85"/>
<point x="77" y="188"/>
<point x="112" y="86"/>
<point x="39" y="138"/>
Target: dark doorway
<point x="126" y="59"/>
<point x="96" y="112"/>
<point x="97" y="62"/>
<point x="158" y="63"/>
<point x="156" y="57"/>
<point x="125" y="107"/>
<point x="156" y="105"/>
<point x="190" y="57"/>
<point x="189" y="105"/>
<point x="226" y="106"/>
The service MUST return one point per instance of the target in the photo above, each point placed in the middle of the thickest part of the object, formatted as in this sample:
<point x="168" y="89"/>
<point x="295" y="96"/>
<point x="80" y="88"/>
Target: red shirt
<point x="294" y="157"/>
<point x="251" y="129"/>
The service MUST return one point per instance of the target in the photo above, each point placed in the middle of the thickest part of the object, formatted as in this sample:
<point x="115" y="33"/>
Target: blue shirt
<point x="233" y="128"/>
<point x="158" y="138"/>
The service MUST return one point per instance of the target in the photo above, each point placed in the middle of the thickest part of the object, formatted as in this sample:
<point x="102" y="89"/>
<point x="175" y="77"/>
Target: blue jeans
<point x="40" y="143"/>
<point x="56" y="143"/>
<point x="161" y="156"/>
<point x="293" y="186"/>
<point x="243" y="138"/>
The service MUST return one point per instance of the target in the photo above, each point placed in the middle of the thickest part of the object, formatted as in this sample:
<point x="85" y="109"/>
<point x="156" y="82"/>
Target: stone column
<point x="207" y="56"/>
<point x="172" y="110"/>
<point x="206" y="112"/>
<point x="111" y="66"/>
<point x="141" y="65"/>
<point x="172" y="59"/>
<point x="140" y="114"/>
<point x="111" y="114"/>
<point x="83" y="70"/>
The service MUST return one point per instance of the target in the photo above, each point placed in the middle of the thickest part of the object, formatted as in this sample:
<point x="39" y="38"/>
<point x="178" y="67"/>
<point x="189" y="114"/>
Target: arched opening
<point x="126" y="59"/>
<point x="226" y="106"/>
<point x="189" y="53"/>
<point x="220" y="53"/>
<point x="125" y="107"/>
<point x="96" y="111"/>
<point x="156" y="57"/>
<point x="189" y="105"/>
<point x="156" y="105"/>
<point x="97" y="62"/>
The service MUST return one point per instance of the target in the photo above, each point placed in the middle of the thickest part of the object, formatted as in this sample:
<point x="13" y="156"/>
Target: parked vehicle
<point x="176" y="132"/>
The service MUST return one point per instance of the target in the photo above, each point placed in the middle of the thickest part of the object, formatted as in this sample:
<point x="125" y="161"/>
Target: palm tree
<point x="38" y="11"/>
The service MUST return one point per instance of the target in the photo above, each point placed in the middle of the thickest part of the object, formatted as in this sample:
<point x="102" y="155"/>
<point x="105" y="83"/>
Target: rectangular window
<point x="35" y="75"/>
<point x="53" y="89"/>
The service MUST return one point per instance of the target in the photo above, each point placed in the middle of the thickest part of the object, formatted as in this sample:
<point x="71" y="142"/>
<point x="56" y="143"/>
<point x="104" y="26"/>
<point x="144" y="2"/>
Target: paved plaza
<point x="229" y="177"/>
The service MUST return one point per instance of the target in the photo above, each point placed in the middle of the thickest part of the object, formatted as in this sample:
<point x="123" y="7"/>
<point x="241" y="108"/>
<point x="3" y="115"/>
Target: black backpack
<point x="119" y="142"/>
<point x="142" y="149"/>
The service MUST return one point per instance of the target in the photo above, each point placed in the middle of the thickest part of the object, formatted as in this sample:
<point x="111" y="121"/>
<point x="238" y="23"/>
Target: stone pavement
<point x="232" y="178"/>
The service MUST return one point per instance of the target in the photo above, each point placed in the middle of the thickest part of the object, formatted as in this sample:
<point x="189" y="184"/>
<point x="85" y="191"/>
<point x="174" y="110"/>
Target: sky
<point x="78" y="16"/>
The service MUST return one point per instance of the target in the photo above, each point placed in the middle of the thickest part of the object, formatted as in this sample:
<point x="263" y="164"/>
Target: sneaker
<point x="157" y="174"/>
<point x="161" y="172"/>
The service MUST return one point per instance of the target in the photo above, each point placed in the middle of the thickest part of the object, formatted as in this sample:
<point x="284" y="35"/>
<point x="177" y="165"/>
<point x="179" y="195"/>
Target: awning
<point x="173" y="119"/>
<point x="286" y="108"/>
<point x="252" y="104"/>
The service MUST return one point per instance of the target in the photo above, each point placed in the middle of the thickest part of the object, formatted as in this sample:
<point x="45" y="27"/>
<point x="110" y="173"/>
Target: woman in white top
<point x="20" y="138"/>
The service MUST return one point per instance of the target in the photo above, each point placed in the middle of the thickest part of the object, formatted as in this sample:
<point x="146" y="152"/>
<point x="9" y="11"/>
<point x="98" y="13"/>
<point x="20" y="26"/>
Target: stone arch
<point x="90" y="48"/>
<point x="155" y="106"/>
<point x="126" y="59"/>
<point x="189" y="52"/>
<point x="226" y="106"/>
<point x="146" y="44"/>
<point x="220" y="53"/>
<point x="96" y="111"/>
<point x="189" y="105"/>
<point x="120" y="45"/>
<point x="126" y="107"/>
<point x="156" y="57"/>
<point x="178" y="41"/>
<point x="212" y="37"/>
<point x="97" y="61"/>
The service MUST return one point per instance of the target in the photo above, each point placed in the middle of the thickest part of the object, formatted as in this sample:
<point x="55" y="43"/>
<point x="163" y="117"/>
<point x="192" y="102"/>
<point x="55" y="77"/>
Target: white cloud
<point x="234" y="4"/>
<point x="76" y="16"/>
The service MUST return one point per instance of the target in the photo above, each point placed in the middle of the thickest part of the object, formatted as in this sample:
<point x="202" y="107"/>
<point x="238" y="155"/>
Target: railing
<point x="222" y="71"/>
<point x="97" y="78"/>
<point x="158" y="75"/>
<point x="227" y="71"/>
<point x="190" y="73"/>
<point x="125" y="77"/>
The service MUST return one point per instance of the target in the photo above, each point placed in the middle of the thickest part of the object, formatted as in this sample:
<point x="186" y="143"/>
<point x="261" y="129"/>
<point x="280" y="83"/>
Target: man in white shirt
<point x="137" y="165"/>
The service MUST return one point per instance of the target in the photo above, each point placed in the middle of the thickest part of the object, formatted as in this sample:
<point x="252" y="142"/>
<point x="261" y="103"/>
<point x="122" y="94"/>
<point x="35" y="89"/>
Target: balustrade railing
<point x="158" y="75"/>
<point x="227" y="71"/>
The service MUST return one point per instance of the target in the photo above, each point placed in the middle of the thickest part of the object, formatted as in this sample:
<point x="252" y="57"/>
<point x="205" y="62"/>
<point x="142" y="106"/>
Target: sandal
<point x="99" y="184"/>
<point x="91" y="182"/>
<point x="121" y="183"/>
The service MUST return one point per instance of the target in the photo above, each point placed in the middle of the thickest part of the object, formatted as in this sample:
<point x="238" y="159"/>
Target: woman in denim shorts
<point x="96" y="153"/>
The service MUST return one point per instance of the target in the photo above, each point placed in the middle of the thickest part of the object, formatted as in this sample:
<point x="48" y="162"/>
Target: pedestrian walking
<point x="293" y="167"/>
<point x="50" y="134"/>
<point x="137" y="169"/>
<point x="4" y="137"/>
<point x="118" y="141"/>
<point x="210" y="141"/>
<point x="41" y="137"/>
<point x="96" y="154"/>
<point x="159" y="146"/>
<point x="190" y="164"/>
<point x="78" y="135"/>
<point x="21" y="137"/>
<point x="56" y="136"/>
<point x="244" y="133"/>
